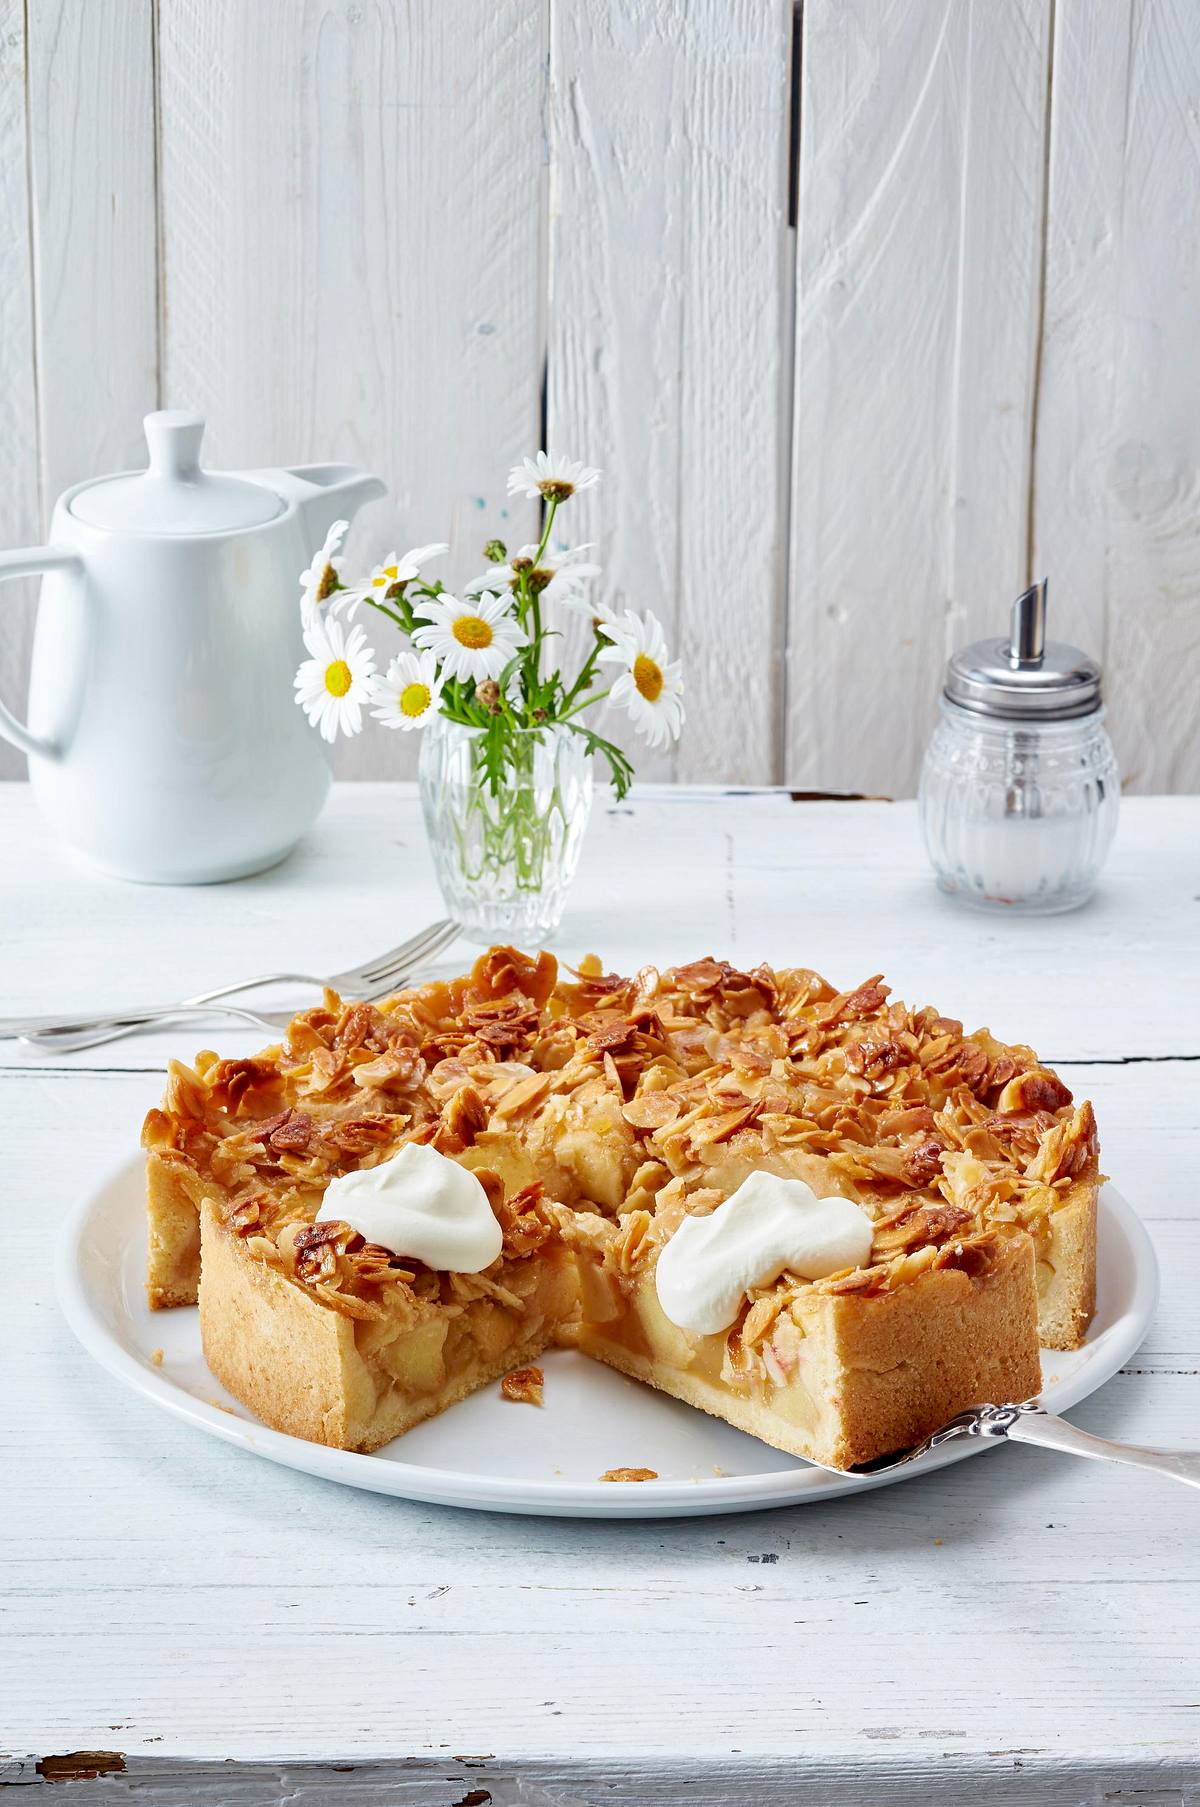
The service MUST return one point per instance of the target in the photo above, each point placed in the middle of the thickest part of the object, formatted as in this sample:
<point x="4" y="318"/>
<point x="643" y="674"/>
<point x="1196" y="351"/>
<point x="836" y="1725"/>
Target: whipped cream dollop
<point x="767" y="1226"/>
<point x="420" y="1204"/>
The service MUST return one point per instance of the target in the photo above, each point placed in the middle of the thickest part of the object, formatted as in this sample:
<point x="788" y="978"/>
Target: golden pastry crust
<point x="599" y="1110"/>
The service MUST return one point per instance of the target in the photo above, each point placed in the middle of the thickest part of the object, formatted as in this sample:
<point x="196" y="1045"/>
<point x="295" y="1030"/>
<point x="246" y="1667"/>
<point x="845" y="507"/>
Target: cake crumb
<point x="629" y="1474"/>
<point x="524" y="1385"/>
<point x="156" y="1358"/>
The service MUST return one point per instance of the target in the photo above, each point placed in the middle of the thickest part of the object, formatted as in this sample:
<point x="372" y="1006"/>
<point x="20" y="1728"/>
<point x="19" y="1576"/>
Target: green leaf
<point x="620" y="770"/>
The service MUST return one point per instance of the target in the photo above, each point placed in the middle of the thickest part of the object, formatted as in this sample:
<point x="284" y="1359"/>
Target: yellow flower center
<point x="386" y="578"/>
<point x="415" y="699"/>
<point x="473" y="632"/>
<point x="338" y="678"/>
<point x="648" y="677"/>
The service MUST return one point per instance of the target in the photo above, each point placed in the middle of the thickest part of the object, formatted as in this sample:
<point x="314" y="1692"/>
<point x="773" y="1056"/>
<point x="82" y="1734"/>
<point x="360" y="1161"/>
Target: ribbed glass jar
<point x="1019" y="815"/>
<point x="505" y="854"/>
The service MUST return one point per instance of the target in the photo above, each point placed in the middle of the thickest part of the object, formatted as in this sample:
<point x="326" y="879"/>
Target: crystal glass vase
<point x="505" y="849"/>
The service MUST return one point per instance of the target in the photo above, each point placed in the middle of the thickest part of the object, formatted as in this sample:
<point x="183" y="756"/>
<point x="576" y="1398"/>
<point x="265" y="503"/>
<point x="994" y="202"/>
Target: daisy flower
<point x="394" y="572"/>
<point x="550" y="476"/>
<point x="557" y="577"/>
<point x="474" y="639"/>
<point x="650" y="687"/>
<point x="322" y="579"/>
<point x="333" y="685"/>
<point x="410" y="694"/>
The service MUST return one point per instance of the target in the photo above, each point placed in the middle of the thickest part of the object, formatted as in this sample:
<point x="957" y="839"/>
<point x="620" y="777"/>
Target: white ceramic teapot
<point x="164" y="741"/>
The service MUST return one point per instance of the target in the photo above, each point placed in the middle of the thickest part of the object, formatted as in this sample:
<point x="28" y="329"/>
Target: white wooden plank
<point x="918" y="264"/>
<point x="352" y="205"/>
<point x="808" y="1781"/>
<point x="1118" y="432"/>
<point x="666" y="876"/>
<point x="20" y="511"/>
<point x="92" y="148"/>
<point x="669" y="337"/>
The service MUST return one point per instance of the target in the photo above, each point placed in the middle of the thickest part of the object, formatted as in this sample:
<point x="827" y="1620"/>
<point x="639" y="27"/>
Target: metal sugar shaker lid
<point x="1026" y="677"/>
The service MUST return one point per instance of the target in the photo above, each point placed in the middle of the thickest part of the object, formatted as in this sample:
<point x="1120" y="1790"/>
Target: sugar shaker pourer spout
<point x="1028" y="636"/>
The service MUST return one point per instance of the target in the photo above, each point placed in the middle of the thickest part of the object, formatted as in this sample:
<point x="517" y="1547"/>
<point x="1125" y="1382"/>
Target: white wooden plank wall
<point x="407" y="234"/>
<point x="20" y="501"/>
<point x="918" y="254"/>
<point x="1117" y="496"/>
<point x="352" y="205"/>
<point x="669" y="337"/>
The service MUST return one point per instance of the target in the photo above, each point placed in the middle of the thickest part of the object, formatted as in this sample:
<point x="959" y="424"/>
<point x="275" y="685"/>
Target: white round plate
<point x="493" y="1455"/>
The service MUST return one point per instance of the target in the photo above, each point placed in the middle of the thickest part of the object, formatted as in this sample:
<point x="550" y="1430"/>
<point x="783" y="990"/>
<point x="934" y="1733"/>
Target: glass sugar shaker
<point x="1020" y="791"/>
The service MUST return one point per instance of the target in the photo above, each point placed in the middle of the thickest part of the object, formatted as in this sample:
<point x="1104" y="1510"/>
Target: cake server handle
<point x="1030" y="1424"/>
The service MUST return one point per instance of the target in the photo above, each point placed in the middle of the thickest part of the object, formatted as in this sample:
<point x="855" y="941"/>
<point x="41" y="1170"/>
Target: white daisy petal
<point x="410" y="695"/>
<point x="391" y="570"/>
<point x="649" y="686"/>
<point x="412" y="563"/>
<point x="559" y="575"/>
<point x="335" y="681"/>
<point x="550" y="476"/>
<point x="608" y="620"/>
<point x="472" y="639"/>
<point x="316" y="584"/>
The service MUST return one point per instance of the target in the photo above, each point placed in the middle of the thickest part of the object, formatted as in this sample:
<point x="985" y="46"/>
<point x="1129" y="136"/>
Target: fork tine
<point x="387" y="972"/>
<point x="402" y="959"/>
<point x="356" y="976"/>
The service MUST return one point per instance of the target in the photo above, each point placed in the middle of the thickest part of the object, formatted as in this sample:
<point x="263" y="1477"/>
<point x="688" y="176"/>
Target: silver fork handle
<point x="66" y="1036"/>
<point x="1032" y="1425"/>
<point x="78" y="1023"/>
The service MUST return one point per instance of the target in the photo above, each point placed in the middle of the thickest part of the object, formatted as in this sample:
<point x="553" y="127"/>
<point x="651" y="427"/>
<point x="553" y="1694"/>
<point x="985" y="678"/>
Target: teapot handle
<point x="27" y="563"/>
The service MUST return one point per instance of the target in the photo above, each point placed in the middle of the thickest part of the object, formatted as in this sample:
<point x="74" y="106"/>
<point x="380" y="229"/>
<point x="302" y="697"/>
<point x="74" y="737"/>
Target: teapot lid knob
<point x="173" y="436"/>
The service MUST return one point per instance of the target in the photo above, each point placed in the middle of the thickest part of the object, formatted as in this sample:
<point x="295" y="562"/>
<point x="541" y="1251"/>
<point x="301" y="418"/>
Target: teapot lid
<point x="175" y="496"/>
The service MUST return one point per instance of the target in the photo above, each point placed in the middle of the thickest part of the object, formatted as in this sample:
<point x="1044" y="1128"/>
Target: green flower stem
<point x="383" y="609"/>
<point x="586" y="702"/>
<point x="506" y="837"/>
<point x="534" y="600"/>
<point x="585" y="676"/>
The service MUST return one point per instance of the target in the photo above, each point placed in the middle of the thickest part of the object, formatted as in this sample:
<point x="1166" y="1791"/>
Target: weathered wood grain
<point x="20" y="503"/>
<point x="1117" y="517"/>
<point x="809" y="1781"/>
<point x="80" y="287"/>
<point x="352" y="207"/>
<point x="917" y="273"/>
<point x="92" y="148"/>
<point x="669" y="331"/>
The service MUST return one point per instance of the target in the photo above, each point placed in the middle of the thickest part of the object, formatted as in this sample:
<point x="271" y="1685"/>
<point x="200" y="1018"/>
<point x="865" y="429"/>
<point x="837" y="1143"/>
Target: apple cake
<point x="601" y="1117"/>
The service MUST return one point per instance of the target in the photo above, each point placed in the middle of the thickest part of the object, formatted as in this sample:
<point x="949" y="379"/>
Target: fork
<point x="1028" y="1422"/>
<point x="373" y="979"/>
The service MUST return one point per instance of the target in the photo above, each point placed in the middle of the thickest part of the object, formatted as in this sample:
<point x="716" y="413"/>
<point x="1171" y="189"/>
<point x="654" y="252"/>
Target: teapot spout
<point x="326" y="493"/>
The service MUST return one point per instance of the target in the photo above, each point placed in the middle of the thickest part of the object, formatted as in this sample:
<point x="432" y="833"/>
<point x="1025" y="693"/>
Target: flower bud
<point x="488" y="693"/>
<point x="495" y="552"/>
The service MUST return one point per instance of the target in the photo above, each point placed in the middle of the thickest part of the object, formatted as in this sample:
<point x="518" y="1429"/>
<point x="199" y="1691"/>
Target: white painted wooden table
<point x="1021" y="1627"/>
